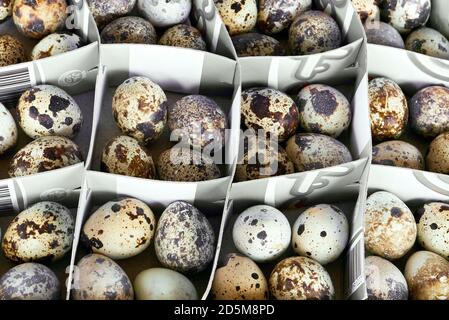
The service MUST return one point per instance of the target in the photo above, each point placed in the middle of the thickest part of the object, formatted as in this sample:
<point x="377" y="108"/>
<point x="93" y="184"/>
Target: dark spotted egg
<point x="437" y="159"/>
<point x="275" y="16"/>
<point x="239" y="16"/>
<point x="105" y="11"/>
<point x="183" y="36"/>
<point x="46" y="110"/>
<point x="185" y="240"/>
<point x="54" y="44"/>
<point x="368" y="10"/>
<point x="256" y="44"/>
<point x="164" y="13"/>
<point x="381" y="33"/>
<point x="429" y="42"/>
<point x="5" y="9"/>
<point x="398" y="153"/>
<point x="129" y="30"/>
<point x="8" y="130"/>
<point x="406" y="15"/>
<point x="11" y="51"/>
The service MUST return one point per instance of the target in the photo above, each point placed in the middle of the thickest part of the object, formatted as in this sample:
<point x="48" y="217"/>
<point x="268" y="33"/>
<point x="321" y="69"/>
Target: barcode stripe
<point x="5" y="199"/>
<point x="13" y="82"/>
<point x="356" y="257"/>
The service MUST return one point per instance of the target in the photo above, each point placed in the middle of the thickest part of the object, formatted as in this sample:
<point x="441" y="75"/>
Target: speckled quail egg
<point x="388" y="109"/>
<point x="262" y="233"/>
<point x="54" y="44"/>
<point x="38" y="18"/>
<point x="300" y="278"/>
<point x="275" y="16"/>
<point x="43" y="232"/>
<point x="429" y="42"/>
<point x="429" y="111"/>
<point x="120" y="229"/>
<point x="381" y="33"/>
<point x="185" y="240"/>
<point x="239" y="278"/>
<point x="437" y="159"/>
<point x="321" y="233"/>
<point x="5" y="9"/>
<point x="313" y="32"/>
<point x="390" y="228"/>
<point x="323" y="109"/>
<point x="239" y="16"/>
<point x="183" y="36"/>
<point x="44" y="154"/>
<point x="198" y="120"/>
<point x="8" y="130"/>
<point x="427" y="276"/>
<point x="312" y="151"/>
<point x="256" y="44"/>
<point x="398" y="154"/>
<point x="99" y="278"/>
<point x="105" y="11"/>
<point x="11" y="51"/>
<point x="129" y="30"/>
<point x="46" y="110"/>
<point x="433" y="228"/>
<point x="163" y="284"/>
<point x="406" y="15"/>
<point x="270" y="110"/>
<point x="367" y="9"/>
<point x="384" y="281"/>
<point x="186" y="165"/>
<point x="29" y="281"/>
<point x="164" y="13"/>
<point x="139" y="107"/>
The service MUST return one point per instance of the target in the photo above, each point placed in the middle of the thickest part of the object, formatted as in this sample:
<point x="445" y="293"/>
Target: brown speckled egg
<point x="323" y="109"/>
<point x="99" y="278"/>
<point x="11" y="51"/>
<point x="239" y="278"/>
<point x="433" y="228"/>
<point x="185" y="165"/>
<point x="38" y="18"/>
<point x="388" y="109"/>
<point x="8" y="130"/>
<point x="5" y="9"/>
<point x="270" y="110"/>
<point x="129" y="30"/>
<point x="384" y="281"/>
<point x="165" y="13"/>
<point x="275" y="16"/>
<point x="312" y="151"/>
<point x="29" y="281"/>
<point x="43" y="232"/>
<point x="381" y="33"/>
<point x="54" y="44"/>
<point x="256" y="44"/>
<point x="198" y="120"/>
<point x="47" y="110"/>
<point x="183" y="36"/>
<point x="427" y="276"/>
<point x="313" y="32"/>
<point x="437" y="159"/>
<point x="390" y="228"/>
<point x="406" y="15"/>
<point x="120" y="229"/>
<point x="301" y="278"/>
<point x="45" y="154"/>
<point x="239" y="16"/>
<point x="367" y="9"/>
<point x="125" y="156"/>
<point x="185" y="240"/>
<point x="105" y="11"/>
<point x="139" y="107"/>
<point x="398" y="154"/>
<point x="429" y="42"/>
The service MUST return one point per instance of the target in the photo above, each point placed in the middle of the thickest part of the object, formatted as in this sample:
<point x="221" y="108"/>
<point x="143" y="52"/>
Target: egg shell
<point x="433" y="228"/>
<point x="183" y="36"/>
<point x="275" y="16"/>
<point x="54" y="44"/>
<point x="185" y="240"/>
<point x="239" y="16"/>
<point x="406" y="15"/>
<point x="198" y="120"/>
<point x="427" y="276"/>
<point x="239" y="278"/>
<point x="388" y="109"/>
<point x="46" y="110"/>
<point x="163" y="284"/>
<point x="367" y="9"/>
<point x="398" y="154"/>
<point x="313" y="32"/>
<point x="105" y="11"/>
<point x="390" y="228"/>
<point x="99" y="278"/>
<point x="5" y="9"/>
<point x="270" y="110"/>
<point x="38" y="18"/>
<point x="139" y="107"/>
<point x="384" y="281"/>
<point x="44" y="154"/>
<point x="381" y="33"/>
<point x="11" y="51"/>
<point x="164" y="13"/>
<point x="186" y="165"/>
<point x="43" y="232"/>
<point x="120" y="229"/>
<point x="300" y="278"/>
<point x="129" y="30"/>
<point x="437" y="159"/>
<point x="8" y="130"/>
<point x="429" y="42"/>
<point x="29" y="281"/>
<point x="256" y="44"/>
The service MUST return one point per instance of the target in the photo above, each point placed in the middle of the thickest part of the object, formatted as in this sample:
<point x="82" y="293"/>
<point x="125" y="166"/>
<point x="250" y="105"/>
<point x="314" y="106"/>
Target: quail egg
<point x="437" y="159"/>
<point x="11" y="51"/>
<point x="105" y="11"/>
<point x="43" y="232"/>
<point x="381" y="33"/>
<point x="406" y="15"/>
<point x="5" y="9"/>
<point x="54" y="44"/>
<point x="164" y="13"/>
<point x="8" y="130"/>
<point x="129" y="30"/>
<point x="239" y="16"/>
<point x="367" y="9"/>
<point x="275" y="16"/>
<point x="429" y="42"/>
<point x="256" y="44"/>
<point x="183" y="36"/>
<point x="398" y="154"/>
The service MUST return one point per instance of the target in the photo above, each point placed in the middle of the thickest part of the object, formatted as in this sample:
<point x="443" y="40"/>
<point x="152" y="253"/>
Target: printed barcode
<point x="13" y="81"/>
<point x="5" y="199"/>
<point x="356" y="257"/>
